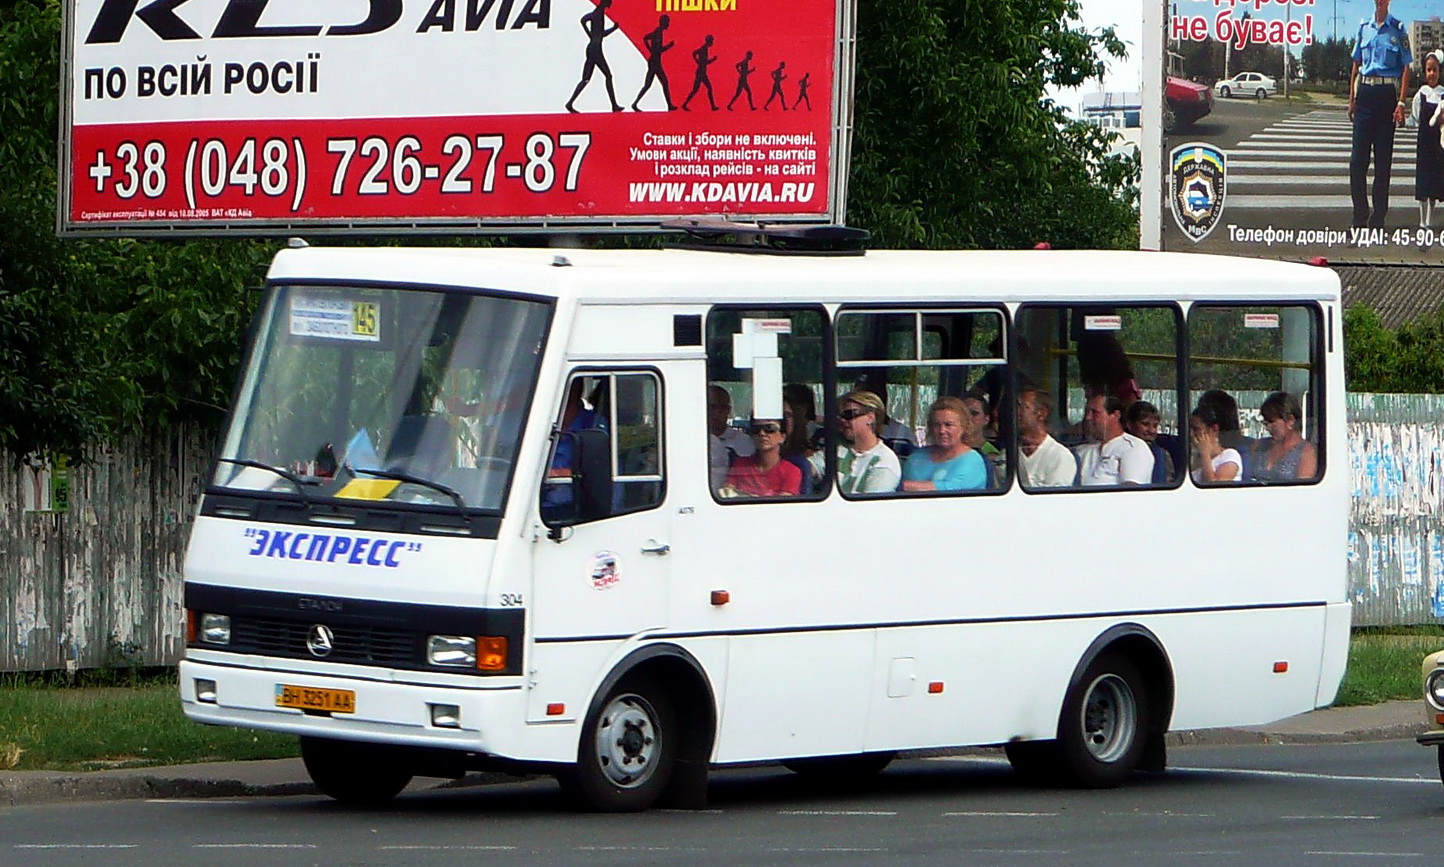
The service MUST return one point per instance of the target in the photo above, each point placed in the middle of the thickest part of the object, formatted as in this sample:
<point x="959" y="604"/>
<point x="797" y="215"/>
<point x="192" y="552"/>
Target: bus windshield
<point x="382" y="394"/>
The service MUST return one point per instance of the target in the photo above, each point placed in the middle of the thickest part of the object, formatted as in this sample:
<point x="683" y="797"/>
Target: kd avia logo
<point x="1196" y="187"/>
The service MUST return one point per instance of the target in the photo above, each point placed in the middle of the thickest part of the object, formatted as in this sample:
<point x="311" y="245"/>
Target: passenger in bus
<point x="865" y="465"/>
<point x="578" y="414"/>
<point x="1213" y="461"/>
<point x="894" y="432"/>
<point x="948" y="463"/>
<point x="1141" y="419"/>
<point x="797" y="445"/>
<point x="1285" y="455"/>
<point x="1229" y="434"/>
<point x="800" y="395"/>
<point x="764" y="473"/>
<point x="1114" y="457"/>
<point x="725" y="442"/>
<point x="979" y="419"/>
<point x="1045" y="462"/>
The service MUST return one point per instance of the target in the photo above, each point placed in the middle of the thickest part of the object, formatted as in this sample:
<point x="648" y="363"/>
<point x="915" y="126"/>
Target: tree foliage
<point x="1408" y="360"/>
<point x="956" y="144"/>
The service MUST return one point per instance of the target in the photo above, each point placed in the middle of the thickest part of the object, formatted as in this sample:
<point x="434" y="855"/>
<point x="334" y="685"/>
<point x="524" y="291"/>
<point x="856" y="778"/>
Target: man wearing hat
<point x="1378" y="82"/>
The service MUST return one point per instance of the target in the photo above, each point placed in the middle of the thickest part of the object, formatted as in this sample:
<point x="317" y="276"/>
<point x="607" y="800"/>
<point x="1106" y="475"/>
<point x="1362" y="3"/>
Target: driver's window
<point x="626" y="406"/>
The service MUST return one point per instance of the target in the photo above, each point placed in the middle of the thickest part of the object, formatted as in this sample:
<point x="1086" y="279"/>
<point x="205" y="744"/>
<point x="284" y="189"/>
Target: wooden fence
<point x="99" y="585"/>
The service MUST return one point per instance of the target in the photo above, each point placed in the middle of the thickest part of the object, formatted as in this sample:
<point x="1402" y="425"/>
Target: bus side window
<point x="626" y="407"/>
<point x="1254" y="379"/>
<point x="1102" y="381"/>
<point x="764" y="375"/>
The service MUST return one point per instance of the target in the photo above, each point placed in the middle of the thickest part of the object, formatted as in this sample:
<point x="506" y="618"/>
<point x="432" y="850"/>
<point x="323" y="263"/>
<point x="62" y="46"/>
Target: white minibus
<point x="625" y="516"/>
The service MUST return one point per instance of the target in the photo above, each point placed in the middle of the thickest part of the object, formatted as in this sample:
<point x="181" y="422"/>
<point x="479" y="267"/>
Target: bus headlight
<point x="1434" y="687"/>
<point x="453" y="651"/>
<point x="215" y="629"/>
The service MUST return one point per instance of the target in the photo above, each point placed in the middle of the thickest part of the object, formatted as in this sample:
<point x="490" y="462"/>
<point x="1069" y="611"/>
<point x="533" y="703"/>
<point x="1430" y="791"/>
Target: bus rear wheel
<point x="1104" y="725"/>
<point x="352" y="773"/>
<point x="627" y="750"/>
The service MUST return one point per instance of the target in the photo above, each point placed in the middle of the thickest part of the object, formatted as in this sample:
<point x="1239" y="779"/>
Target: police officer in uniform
<point x="1378" y="83"/>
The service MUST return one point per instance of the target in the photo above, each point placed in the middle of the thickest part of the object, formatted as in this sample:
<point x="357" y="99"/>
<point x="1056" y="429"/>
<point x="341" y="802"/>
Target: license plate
<point x="313" y="698"/>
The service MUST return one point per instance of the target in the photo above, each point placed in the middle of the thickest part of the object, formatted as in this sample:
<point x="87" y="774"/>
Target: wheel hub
<point x="627" y="743"/>
<point x="1110" y="715"/>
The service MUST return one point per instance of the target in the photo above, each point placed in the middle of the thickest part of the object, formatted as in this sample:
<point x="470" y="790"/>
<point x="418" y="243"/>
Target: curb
<point x="27" y="791"/>
<point x="1235" y="737"/>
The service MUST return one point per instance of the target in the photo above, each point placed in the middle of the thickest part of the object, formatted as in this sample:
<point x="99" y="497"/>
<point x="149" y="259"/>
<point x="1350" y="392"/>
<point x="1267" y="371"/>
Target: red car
<point x="1184" y="102"/>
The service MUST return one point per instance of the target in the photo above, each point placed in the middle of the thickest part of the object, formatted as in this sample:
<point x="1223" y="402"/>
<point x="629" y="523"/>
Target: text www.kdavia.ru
<point x="714" y="191"/>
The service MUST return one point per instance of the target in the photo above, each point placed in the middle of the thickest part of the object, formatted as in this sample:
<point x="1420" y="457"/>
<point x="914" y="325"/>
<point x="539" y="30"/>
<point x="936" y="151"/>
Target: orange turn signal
<point x="556" y="708"/>
<point x="191" y="620"/>
<point x="1280" y="667"/>
<point x="721" y="597"/>
<point x="491" y="652"/>
<point x="935" y="688"/>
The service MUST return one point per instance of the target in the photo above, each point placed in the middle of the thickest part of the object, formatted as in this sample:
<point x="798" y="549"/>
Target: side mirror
<point x="592" y="474"/>
<point x="587" y="494"/>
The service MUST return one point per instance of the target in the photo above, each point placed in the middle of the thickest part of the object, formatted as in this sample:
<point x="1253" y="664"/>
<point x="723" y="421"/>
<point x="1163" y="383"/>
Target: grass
<point x="135" y="720"/>
<point x="49" y="725"/>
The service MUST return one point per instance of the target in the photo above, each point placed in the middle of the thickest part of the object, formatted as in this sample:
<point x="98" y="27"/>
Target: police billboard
<point x="264" y="116"/>
<point x="1292" y="134"/>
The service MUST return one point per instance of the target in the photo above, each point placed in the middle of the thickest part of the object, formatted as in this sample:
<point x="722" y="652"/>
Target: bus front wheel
<point x="352" y="773"/>
<point x="1104" y="726"/>
<point x="627" y="750"/>
<point x="1441" y="764"/>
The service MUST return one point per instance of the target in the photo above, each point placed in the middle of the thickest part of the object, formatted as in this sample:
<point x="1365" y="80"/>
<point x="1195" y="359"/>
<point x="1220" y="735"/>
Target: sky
<point x="1126" y="16"/>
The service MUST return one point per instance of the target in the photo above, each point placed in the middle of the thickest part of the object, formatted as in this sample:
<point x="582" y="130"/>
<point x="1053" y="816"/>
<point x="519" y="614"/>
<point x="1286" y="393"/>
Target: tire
<point x="1261" y="94"/>
<point x="1225" y="92"/>
<point x="1170" y="119"/>
<point x="841" y="770"/>
<point x="354" y="774"/>
<point x="1441" y="763"/>
<point x="627" y="752"/>
<point x="1104" y="725"/>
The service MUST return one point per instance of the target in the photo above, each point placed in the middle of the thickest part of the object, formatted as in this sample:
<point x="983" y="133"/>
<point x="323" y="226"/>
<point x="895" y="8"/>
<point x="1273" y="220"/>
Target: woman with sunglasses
<point x="949" y="463"/>
<point x="764" y="473"/>
<point x="865" y="464"/>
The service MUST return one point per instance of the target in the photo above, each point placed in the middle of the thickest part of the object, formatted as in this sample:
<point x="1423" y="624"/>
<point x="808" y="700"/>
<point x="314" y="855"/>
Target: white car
<point x="1254" y="84"/>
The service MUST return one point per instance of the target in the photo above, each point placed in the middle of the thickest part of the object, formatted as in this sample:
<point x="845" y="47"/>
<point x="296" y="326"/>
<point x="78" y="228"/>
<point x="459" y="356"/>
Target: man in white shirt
<point x="1116" y="457"/>
<point x="725" y="441"/>
<point x="1046" y="463"/>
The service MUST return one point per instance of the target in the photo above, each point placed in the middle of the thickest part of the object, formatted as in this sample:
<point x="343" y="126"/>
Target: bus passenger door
<point x="601" y="568"/>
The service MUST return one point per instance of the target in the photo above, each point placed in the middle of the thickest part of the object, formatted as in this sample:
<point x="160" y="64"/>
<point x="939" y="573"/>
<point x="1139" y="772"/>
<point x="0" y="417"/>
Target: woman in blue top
<point x="949" y="463"/>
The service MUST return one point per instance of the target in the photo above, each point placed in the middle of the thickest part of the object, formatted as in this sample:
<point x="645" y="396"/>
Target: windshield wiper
<point x="291" y="477"/>
<point x="400" y="476"/>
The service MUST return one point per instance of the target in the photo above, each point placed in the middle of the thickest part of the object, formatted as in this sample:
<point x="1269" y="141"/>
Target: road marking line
<point x="77" y="846"/>
<point x="824" y="849"/>
<point x="446" y="848"/>
<point x="254" y="846"/>
<point x="1370" y="854"/>
<point x="1023" y="851"/>
<point x="1303" y="775"/>
<point x="837" y="812"/>
<point x="1328" y="818"/>
<point x="999" y="813"/>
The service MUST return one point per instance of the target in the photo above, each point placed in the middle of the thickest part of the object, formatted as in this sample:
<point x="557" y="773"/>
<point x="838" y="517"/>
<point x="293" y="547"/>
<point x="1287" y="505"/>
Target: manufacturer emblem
<point x="320" y="640"/>
<point x="1196" y="188"/>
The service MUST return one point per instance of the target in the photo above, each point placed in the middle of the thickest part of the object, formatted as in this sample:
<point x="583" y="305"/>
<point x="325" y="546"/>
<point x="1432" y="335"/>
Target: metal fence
<point x="99" y="585"/>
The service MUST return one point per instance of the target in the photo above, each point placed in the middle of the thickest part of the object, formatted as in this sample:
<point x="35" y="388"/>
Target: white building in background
<point x="1120" y="112"/>
<point x="1425" y="36"/>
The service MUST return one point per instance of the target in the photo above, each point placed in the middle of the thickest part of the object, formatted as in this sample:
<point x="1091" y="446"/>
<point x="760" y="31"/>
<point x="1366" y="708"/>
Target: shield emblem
<point x="1196" y="187"/>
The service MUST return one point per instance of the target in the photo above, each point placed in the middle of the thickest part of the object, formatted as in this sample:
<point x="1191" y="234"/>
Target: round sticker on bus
<point x="606" y="569"/>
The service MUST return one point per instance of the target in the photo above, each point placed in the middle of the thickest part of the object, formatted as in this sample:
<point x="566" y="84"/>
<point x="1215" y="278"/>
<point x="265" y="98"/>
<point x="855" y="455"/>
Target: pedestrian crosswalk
<point x="1302" y="162"/>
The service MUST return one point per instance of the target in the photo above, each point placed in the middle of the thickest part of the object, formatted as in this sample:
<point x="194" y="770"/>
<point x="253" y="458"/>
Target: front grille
<point x="360" y="645"/>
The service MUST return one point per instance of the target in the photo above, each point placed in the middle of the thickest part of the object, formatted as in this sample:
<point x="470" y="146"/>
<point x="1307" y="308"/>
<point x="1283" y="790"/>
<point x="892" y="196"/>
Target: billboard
<point x="1258" y="154"/>
<point x="267" y="116"/>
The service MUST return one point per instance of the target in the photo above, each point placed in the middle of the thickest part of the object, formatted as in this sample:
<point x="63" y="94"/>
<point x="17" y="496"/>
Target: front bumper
<point x="386" y="712"/>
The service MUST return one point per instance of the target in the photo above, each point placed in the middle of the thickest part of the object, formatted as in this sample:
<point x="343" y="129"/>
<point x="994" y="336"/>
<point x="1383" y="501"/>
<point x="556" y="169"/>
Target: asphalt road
<point x="1376" y="803"/>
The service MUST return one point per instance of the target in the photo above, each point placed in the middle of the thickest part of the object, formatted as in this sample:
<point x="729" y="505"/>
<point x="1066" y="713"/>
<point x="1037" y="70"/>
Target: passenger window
<point x="929" y="385"/>
<point x="627" y="476"/>
<point x="1098" y="402"/>
<point x="1255" y="386"/>
<point x="766" y="436"/>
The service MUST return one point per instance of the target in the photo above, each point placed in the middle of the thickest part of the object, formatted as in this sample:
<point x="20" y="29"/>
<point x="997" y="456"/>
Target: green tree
<point x="1409" y="360"/>
<point x="955" y="142"/>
